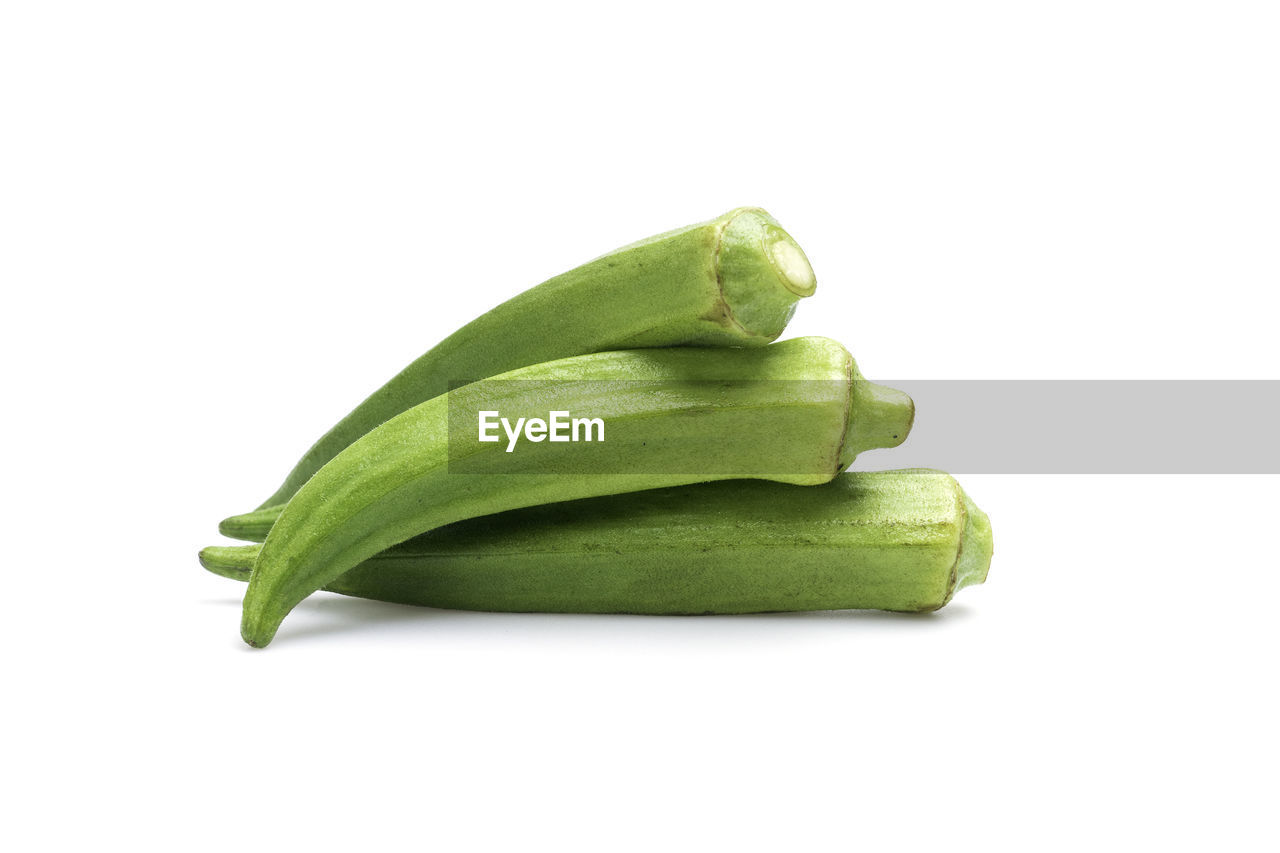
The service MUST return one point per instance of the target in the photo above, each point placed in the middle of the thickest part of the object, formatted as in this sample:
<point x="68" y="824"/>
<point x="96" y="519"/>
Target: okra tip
<point x="229" y="562"/>
<point x="266" y="604"/>
<point x="879" y="416"/>
<point x="257" y="631"/>
<point x="251" y="526"/>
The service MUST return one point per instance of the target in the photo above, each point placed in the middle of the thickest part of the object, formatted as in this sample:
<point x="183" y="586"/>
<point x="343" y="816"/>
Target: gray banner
<point x="961" y="426"/>
<point x="1090" y="427"/>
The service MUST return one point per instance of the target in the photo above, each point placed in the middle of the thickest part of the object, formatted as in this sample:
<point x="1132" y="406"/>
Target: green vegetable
<point x="797" y="412"/>
<point x="733" y="281"/>
<point x="250" y="526"/>
<point x="893" y="540"/>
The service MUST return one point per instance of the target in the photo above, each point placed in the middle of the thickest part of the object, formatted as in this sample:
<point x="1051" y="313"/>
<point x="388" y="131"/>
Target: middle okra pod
<point x="795" y="412"/>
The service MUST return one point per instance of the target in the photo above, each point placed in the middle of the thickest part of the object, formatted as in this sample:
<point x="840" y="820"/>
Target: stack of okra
<point x="711" y="484"/>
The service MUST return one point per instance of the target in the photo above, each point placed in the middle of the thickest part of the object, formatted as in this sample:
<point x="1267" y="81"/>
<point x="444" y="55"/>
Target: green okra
<point x="890" y="540"/>
<point x="733" y="281"/>
<point x="250" y="526"/>
<point x="796" y="412"/>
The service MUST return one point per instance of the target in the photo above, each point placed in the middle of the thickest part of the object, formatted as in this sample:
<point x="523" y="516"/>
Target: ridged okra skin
<point x="890" y="540"/>
<point x="733" y="281"/>
<point x="796" y="412"/>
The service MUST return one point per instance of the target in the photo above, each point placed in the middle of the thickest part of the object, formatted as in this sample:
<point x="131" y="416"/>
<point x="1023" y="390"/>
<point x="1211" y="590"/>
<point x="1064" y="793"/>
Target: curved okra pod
<point x="888" y="540"/>
<point x="733" y="281"/>
<point x="797" y="412"/>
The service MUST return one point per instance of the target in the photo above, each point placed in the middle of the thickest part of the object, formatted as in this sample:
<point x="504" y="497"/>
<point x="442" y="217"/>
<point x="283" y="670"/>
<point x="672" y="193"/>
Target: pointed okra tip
<point x="251" y="526"/>
<point x="235" y="562"/>
<point x="261" y="615"/>
<point x="255" y="634"/>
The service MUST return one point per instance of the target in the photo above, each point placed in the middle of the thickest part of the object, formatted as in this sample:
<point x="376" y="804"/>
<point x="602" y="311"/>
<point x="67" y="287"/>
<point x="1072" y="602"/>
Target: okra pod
<point x="733" y="281"/>
<point x="891" y="540"/>
<point x="796" y="412"/>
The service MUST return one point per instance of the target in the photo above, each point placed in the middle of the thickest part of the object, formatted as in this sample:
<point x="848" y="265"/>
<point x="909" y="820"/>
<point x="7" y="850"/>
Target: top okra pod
<point x="796" y="412"/>
<point x="733" y="281"/>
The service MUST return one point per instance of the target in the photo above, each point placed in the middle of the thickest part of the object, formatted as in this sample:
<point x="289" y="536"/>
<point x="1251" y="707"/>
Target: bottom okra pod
<point x="892" y="540"/>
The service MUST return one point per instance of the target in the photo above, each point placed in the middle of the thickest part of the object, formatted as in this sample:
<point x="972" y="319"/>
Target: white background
<point x="222" y="224"/>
